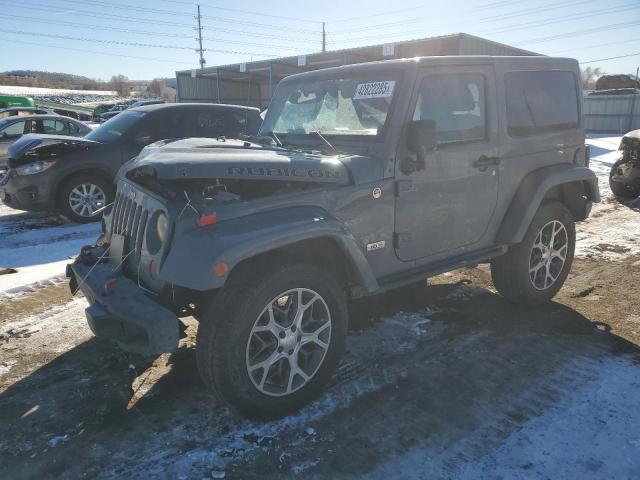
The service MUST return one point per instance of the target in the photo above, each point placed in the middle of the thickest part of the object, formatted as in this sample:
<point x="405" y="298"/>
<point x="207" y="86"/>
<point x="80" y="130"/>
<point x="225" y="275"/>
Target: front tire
<point x="618" y="186"/>
<point x="268" y="345"/>
<point x="79" y="198"/>
<point x="535" y="269"/>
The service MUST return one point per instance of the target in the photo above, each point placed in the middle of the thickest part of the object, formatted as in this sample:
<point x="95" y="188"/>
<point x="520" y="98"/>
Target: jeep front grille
<point x="129" y="220"/>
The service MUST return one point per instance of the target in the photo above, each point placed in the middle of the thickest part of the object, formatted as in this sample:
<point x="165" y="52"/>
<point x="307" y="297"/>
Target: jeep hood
<point x="33" y="146"/>
<point x="206" y="158"/>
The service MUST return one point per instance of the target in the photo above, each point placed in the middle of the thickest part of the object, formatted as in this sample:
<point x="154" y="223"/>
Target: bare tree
<point x="120" y="84"/>
<point x="589" y="77"/>
<point x="155" y="87"/>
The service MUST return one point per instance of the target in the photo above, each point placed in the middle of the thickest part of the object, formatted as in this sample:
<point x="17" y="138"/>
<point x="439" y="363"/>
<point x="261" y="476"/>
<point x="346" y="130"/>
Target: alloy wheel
<point x="548" y="255"/>
<point x="86" y="198"/>
<point x="288" y="342"/>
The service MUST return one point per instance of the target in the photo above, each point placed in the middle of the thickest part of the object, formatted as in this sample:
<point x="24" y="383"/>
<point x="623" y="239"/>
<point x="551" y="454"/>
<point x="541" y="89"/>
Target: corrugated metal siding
<point x="196" y="89"/>
<point x="478" y="46"/>
<point x="612" y="113"/>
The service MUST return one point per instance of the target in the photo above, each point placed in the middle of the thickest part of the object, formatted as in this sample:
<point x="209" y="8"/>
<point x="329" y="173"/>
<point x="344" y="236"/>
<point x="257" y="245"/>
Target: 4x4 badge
<point x="377" y="192"/>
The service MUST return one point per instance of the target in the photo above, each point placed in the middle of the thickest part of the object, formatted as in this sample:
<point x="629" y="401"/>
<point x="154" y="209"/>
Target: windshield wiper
<point x="322" y="137"/>
<point x="273" y="136"/>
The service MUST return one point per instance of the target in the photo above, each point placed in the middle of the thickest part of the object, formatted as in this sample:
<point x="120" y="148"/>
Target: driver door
<point x="446" y="200"/>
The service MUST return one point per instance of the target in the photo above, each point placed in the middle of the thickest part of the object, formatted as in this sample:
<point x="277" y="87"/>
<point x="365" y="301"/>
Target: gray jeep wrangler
<point x="363" y="178"/>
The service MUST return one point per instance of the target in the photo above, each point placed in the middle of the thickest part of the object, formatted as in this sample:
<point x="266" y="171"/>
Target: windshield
<point x="113" y="129"/>
<point x="336" y="106"/>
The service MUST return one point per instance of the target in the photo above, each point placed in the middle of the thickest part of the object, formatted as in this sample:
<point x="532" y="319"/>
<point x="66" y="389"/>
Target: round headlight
<point x="162" y="227"/>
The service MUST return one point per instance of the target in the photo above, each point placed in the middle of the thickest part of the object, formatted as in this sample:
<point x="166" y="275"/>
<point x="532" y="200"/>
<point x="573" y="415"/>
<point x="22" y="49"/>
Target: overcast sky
<point x="144" y="39"/>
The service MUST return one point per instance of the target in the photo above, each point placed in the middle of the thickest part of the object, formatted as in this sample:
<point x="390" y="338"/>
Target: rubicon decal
<point x="283" y="172"/>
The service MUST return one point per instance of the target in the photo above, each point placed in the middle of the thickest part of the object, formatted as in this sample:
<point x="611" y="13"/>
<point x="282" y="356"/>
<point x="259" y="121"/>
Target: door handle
<point x="485" y="162"/>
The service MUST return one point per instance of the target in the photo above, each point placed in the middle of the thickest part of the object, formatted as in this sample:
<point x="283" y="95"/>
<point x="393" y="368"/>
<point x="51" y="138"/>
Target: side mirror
<point x="142" y="140"/>
<point x="421" y="136"/>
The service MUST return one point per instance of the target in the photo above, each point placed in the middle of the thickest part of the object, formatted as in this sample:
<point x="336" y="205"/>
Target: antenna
<point x="200" y="50"/>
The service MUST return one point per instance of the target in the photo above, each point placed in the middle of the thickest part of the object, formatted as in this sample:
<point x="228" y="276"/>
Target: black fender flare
<point x="571" y="184"/>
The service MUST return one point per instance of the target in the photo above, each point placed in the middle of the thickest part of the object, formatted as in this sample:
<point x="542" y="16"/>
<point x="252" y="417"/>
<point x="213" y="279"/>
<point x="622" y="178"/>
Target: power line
<point x="381" y="25"/>
<point x="247" y="12"/>
<point x="85" y="13"/>
<point x="47" y="45"/>
<point x="633" y="40"/>
<point x="133" y="44"/>
<point x="577" y="33"/>
<point x="612" y="58"/>
<point x="572" y="17"/>
<point x="129" y="19"/>
<point x="390" y="12"/>
<point x="157" y="11"/>
<point x="87" y="26"/>
<point x="538" y="9"/>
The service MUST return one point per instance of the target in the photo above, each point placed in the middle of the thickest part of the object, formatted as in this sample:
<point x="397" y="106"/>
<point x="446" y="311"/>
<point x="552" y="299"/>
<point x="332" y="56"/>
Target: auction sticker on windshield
<point x="374" y="90"/>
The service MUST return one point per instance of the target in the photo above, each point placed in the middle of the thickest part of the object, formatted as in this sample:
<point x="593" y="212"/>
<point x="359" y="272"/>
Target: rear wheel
<point x="270" y="344"/>
<point x="80" y="198"/>
<point x="618" y="181"/>
<point x="535" y="269"/>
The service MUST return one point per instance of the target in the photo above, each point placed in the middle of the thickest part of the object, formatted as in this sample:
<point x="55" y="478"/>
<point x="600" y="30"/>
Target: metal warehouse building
<point x="253" y="83"/>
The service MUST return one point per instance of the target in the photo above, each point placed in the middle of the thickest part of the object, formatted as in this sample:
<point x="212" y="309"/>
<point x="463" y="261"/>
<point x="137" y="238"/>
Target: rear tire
<point x="80" y="196"/>
<point x="621" y="188"/>
<point x="251" y="323"/>
<point x="535" y="269"/>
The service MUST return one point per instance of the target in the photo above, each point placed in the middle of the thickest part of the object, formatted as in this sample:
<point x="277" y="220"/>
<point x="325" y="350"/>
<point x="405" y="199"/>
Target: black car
<point x="624" y="178"/>
<point x="75" y="175"/>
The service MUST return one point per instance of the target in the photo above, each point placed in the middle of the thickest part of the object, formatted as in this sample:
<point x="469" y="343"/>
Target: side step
<point x="389" y="282"/>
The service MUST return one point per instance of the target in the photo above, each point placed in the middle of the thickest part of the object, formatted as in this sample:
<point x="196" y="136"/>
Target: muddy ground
<point x="445" y="380"/>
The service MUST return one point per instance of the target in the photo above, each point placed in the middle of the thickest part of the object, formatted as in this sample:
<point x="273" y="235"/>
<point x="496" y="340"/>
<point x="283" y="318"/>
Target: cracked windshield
<point x="345" y="106"/>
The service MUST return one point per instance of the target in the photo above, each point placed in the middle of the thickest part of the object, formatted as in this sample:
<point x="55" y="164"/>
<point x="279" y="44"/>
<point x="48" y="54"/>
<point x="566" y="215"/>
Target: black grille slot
<point x="129" y="219"/>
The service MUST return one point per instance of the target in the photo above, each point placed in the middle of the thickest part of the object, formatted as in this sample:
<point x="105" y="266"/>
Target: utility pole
<point x="200" y="50"/>
<point x="324" y="39"/>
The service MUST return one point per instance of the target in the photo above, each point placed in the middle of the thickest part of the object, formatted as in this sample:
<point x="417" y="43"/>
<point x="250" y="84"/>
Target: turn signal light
<point x="207" y="219"/>
<point x="153" y="269"/>
<point x="220" y="269"/>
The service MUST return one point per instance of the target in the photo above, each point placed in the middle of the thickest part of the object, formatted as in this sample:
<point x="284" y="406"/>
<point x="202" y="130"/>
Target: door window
<point x="456" y="103"/>
<point x="53" y="127"/>
<point x="71" y="128"/>
<point x="14" y="130"/>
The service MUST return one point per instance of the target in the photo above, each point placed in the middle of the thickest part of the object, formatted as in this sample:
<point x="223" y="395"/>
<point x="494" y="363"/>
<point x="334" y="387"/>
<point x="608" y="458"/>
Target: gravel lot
<point x="440" y="380"/>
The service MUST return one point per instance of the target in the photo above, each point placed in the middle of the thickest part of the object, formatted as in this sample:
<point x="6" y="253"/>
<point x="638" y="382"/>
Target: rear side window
<point x="456" y="103"/>
<point x="540" y="102"/>
<point x="220" y="123"/>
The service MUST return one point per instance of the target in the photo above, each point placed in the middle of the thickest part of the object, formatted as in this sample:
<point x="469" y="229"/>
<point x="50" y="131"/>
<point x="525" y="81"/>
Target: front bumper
<point x="120" y="310"/>
<point x="23" y="193"/>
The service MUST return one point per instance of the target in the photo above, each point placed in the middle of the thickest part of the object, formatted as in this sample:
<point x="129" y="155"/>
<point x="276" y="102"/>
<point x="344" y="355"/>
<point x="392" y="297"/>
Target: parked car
<point x="12" y="128"/>
<point x="624" y="178"/>
<point x="142" y="103"/>
<point x="75" y="175"/>
<point x="21" y="111"/>
<point x="115" y="110"/>
<point x="375" y="176"/>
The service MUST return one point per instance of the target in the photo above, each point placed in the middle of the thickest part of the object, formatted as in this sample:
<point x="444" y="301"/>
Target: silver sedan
<point x="12" y="128"/>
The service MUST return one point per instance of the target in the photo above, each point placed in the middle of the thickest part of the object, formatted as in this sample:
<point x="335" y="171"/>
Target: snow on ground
<point x="613" y="229"/>
<point x="38" y="247"/>
<point x="592" y="433"/>
<point x="18" y="90"/>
